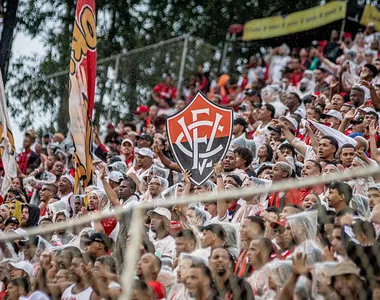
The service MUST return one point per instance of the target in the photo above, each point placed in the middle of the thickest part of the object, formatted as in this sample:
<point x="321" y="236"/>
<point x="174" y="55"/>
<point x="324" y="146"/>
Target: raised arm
<point x="372" y="141"/>
<point x="114" y="199"/>
<point x="166" y="161"/>
<point x="347" y="117"/>
<point x="222" y="204"/>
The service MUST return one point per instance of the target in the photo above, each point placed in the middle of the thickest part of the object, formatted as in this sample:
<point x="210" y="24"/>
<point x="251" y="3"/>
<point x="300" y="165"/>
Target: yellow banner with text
<point x="296" y="22"/>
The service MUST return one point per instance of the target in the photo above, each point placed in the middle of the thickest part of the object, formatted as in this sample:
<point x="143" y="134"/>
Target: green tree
<point x="123" y="26"/>
<point x="8" y="22"/>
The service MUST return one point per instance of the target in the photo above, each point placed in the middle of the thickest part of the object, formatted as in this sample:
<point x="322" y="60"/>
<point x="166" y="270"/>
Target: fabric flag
<point x="199" y="136"/>
<point x="340" y="137"/>
<point x="82" y="90"/>
<point x="7" y="144"/>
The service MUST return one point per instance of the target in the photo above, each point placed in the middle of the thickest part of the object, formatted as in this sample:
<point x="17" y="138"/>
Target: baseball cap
<point x="357" y="120"/>
<point x="23" y="265"/>
<point x="244" y="107"/>
<point x="11" y="220"/>
<point x="31" y="241"/>
<point x="31" y="133"/>
<point x="368" y="110"/>
<point x="100" y="238"/>
<point x="145" y="152"/>
<point x="274" y="128"/>
<point x="20" y="232"/>
<point x="345" y="268"/>
<point x="347" y="35"/>
<point x="110" y="125"/>
<point x="141" y="109"/>
<point x="127" y="141"/>
<point x="374" y="186"/>
<point x="145" y="136"/>
<point x="252" y="92"/>
<point x="217" y="229"/>
<point x="162" y="211"/>
<point x="290" y="120"/>
<point x="115" y="176"/>
<point x="278" y="224"/>
<point x="241" y="122"/>
<point x="333" y="113"/>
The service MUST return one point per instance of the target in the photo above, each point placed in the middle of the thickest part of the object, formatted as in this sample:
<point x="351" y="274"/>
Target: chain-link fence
<point x="124" y="81"/>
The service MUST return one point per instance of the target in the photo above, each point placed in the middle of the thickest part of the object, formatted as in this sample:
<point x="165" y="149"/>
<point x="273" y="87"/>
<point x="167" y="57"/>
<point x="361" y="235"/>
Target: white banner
<point x="7" y="144"/>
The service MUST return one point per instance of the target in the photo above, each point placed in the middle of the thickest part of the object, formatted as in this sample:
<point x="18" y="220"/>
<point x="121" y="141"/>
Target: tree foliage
<point x="122" y="26"/>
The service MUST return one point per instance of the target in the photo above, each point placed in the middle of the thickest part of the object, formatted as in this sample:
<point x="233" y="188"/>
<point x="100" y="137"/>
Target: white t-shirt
<point x="260" y="135"/>
<point x="277" y="66"/>
<point x="166" y="247"/>
<point x="140" y="173"/>
<point x="84" y="295"/>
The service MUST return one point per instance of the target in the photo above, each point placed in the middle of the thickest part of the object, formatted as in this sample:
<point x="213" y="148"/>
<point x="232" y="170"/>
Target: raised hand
<point x="373" y="129"/>
<point x="186" y="177"/>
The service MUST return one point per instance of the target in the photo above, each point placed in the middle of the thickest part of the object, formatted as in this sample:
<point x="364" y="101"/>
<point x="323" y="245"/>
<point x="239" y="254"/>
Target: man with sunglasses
<point x="46" y="193"/>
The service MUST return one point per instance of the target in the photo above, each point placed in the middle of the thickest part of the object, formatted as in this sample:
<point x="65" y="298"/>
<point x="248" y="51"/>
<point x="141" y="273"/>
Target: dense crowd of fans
<point x="298" y="113"/>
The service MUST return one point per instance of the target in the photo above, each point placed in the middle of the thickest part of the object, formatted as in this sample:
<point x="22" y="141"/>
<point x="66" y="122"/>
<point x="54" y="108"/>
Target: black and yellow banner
<point x="296" y="22"/>
<point x="371" y="15"/>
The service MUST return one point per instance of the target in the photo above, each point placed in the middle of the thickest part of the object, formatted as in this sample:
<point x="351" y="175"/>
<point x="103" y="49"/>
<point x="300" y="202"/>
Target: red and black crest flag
<point x="199" y="136"/>
<point x="82" y="90"/>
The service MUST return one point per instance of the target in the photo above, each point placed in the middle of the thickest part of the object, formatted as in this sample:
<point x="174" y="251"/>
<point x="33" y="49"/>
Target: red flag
<point x="82" y="89"/>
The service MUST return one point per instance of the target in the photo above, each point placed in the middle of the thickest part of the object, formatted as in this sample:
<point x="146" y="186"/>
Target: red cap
<point x="175" y="227"/>
<point x="110" y="125"/>
<point x="347" y="35"/>
<point x="141" y="109"/>
<point x="280" y="223"/>
<point x="158" y="289"/>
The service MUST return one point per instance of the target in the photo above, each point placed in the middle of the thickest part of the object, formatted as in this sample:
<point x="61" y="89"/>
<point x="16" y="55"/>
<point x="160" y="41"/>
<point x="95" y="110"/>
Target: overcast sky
<point x="24" y="45"/>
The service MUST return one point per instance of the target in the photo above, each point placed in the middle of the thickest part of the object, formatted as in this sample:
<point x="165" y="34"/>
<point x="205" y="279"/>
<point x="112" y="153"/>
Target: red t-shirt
<point x="291" y="197"/>
<point x="165" y="91"/>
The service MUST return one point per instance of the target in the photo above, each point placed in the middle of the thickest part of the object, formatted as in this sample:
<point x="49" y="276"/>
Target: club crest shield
<point x="199" y="136"/>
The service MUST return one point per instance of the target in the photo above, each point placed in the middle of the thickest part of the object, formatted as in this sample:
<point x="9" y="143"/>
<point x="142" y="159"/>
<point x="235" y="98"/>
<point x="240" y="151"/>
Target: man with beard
<point x="126" y="150"/>
<point x="259" y="254"/>
<point x="339" y="196"/>
<point x="65" y="191"/>
<point x="228" y="285"/>
<point x="163" y="242"/>
<point x="79" y="287"/>
<point x="147" y="269"/>
<point x="62" y="234"/>
<point x="373" y="195"/>
<point x="229" y="163"/>
<point x="98" y="245"/>
<point x="47" y="191"/>
<point x="311" y="168"/>
<point x="252" y="228"/>
<point x="199" y="282"/>
<point x="30" y="216"/>
<point x="4" y="214"/>
<point x="144" y="161"/>
<point x="127" y="193"/>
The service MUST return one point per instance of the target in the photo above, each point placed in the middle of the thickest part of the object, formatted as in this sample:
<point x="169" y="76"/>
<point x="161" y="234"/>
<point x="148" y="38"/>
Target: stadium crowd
<point x="298" y="114"/>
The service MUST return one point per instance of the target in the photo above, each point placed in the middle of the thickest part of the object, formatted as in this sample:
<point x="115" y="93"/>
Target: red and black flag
<point x="199" y="136"/>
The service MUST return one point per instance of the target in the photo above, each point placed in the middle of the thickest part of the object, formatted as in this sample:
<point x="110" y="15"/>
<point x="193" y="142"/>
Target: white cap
<point x="368" y="109"/>
<point x="127" y="141"/>
<point x="160" y="211"/>
<point x="335" y="114"/>
<point x="23" y="265"/>
<point x="145" y="152"/>
<point x="69" y="178"/>
<point x="291" y="120"/>
<point x="115" y="176"/>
